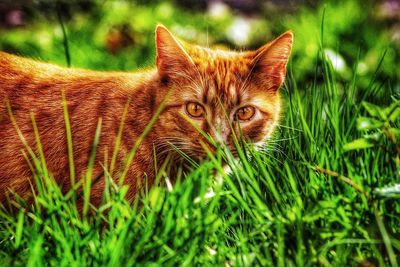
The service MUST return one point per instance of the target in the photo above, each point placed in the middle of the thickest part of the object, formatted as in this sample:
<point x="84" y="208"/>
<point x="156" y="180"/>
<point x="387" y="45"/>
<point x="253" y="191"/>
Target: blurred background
<point x="356" y="35"/>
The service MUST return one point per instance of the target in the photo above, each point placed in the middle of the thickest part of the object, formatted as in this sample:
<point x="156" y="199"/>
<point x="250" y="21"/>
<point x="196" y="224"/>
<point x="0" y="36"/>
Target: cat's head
<point x="222" y="93"/>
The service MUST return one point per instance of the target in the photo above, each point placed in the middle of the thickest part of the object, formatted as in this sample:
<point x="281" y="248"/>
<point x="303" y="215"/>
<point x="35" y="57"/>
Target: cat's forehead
<point x="223" y="75"/>
<point x="216" y="60"/>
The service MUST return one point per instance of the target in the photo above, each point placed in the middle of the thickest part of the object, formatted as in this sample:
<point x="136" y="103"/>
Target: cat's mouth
<point x="210" y="150"/>
<point x="199" y="150"/>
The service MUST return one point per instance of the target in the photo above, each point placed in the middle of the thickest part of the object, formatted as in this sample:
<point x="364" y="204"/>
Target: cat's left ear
<point x="270" y="62"/>
<point x="172" y="57"/>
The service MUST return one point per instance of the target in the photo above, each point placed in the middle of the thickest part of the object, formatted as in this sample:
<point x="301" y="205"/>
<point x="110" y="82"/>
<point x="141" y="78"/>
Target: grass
<point x="302" y="201"/>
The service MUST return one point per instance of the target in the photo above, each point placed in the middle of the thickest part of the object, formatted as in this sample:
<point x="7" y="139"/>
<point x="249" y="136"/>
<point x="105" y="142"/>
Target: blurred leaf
<point x="394" y="132"/>
<point x="388" y="191"/>
<point x="374" y="110"/>
<point x="364" y="123"/>
<point x="395" y="115"/>
<point x="157" y="196"/>
<point x="374" y="137"/>
<point x="361" y="143"/>
<point x="393" y="111"/>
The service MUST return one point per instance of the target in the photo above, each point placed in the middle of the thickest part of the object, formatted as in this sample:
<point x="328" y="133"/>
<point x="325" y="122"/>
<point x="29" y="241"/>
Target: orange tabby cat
<point x="208" y="89"/>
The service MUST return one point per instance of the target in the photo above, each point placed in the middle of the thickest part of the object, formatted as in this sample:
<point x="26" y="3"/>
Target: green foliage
<point x="288" y="204"/>
<point x="380" y="129"/>
<point x="312" y="196"/>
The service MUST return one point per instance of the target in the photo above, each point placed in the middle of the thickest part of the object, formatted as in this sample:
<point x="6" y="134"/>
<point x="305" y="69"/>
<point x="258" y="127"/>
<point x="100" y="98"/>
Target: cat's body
<point x="33" y="87"/>
<point x="202" y="86"/>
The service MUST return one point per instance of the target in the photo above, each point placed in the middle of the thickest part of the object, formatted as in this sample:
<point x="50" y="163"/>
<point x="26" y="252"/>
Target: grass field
<point x="313" y="196"/>
<point x="325" y="191"/>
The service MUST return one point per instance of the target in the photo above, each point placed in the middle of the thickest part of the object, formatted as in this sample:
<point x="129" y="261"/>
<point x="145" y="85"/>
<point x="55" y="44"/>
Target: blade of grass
<point x="89" y="171"/>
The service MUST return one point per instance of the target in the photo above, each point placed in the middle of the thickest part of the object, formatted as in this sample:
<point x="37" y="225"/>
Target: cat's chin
<point x="199" y="156"/>
<point x="259" y="146"/>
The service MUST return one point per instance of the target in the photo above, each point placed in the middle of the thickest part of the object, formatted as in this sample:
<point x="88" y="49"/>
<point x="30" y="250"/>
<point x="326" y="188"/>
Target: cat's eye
<point x="245" y="113"/>
<point x="195" y="109"/>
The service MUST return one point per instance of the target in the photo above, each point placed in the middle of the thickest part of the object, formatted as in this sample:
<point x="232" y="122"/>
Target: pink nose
<point x="220" y="133"/>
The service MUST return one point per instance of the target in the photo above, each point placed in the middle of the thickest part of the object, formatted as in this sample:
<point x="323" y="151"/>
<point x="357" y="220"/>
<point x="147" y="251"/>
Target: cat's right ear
<point x="270" y="61"/>
<point x="172" y="58"/>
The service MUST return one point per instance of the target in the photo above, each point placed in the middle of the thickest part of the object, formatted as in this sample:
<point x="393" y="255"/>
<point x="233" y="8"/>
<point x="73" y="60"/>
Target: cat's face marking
<point x="230" y="90"/>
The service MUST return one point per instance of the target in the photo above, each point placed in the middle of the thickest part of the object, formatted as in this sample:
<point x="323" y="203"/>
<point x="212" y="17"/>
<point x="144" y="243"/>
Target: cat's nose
<point x="221" y="133"/>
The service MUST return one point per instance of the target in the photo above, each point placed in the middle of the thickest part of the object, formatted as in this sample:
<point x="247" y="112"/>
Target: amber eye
<point x="194" y="109"/>
<point x="245" y="113"/>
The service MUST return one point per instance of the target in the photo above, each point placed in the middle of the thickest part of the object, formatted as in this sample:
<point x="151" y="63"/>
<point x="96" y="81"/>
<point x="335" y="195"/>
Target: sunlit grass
<point x="304" y="199"/>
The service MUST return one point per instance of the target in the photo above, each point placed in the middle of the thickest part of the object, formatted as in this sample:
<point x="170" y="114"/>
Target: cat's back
<point x="33" y="89"/>
<point x="22" y="76"/>
<point x="26" y="77"/>
<point x="14" y="67"/>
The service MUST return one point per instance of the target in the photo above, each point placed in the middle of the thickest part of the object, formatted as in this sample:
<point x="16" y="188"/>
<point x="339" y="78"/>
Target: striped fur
<point x="220" y="81"/>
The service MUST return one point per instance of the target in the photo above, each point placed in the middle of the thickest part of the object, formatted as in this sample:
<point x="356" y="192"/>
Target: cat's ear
<point x="172" y="58"/>
<point x="270" y="61"/>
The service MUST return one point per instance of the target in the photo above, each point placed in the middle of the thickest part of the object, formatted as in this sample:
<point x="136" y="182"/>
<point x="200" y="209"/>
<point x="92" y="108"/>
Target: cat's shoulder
<point x="19" y="66"/>
<point x="10" y="58"/>
<point x="37" y="67"/>
<point x="16" y="62"/>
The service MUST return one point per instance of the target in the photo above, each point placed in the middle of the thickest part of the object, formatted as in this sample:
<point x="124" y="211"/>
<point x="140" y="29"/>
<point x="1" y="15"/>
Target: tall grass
<point x="301" y="201"/>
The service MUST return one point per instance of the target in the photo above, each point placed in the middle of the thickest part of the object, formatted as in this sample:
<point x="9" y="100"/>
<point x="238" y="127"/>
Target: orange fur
<point x="221" y="82"/>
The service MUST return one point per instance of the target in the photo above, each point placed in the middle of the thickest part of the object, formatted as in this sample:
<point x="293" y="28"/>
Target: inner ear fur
<point x="270" y="60"/>
<point x="172" y="57"/>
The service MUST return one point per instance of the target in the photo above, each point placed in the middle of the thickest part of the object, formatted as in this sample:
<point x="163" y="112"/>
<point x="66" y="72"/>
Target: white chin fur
<point x="259" y="145"/>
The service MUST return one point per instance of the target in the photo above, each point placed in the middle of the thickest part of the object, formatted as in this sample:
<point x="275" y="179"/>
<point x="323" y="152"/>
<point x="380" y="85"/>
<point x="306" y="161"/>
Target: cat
<point x="197" y="87"/>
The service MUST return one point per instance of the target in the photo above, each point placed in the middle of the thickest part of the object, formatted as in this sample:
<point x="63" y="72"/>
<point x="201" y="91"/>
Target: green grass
<point x="304" y="201"/>
<point x="322" y="192"/>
